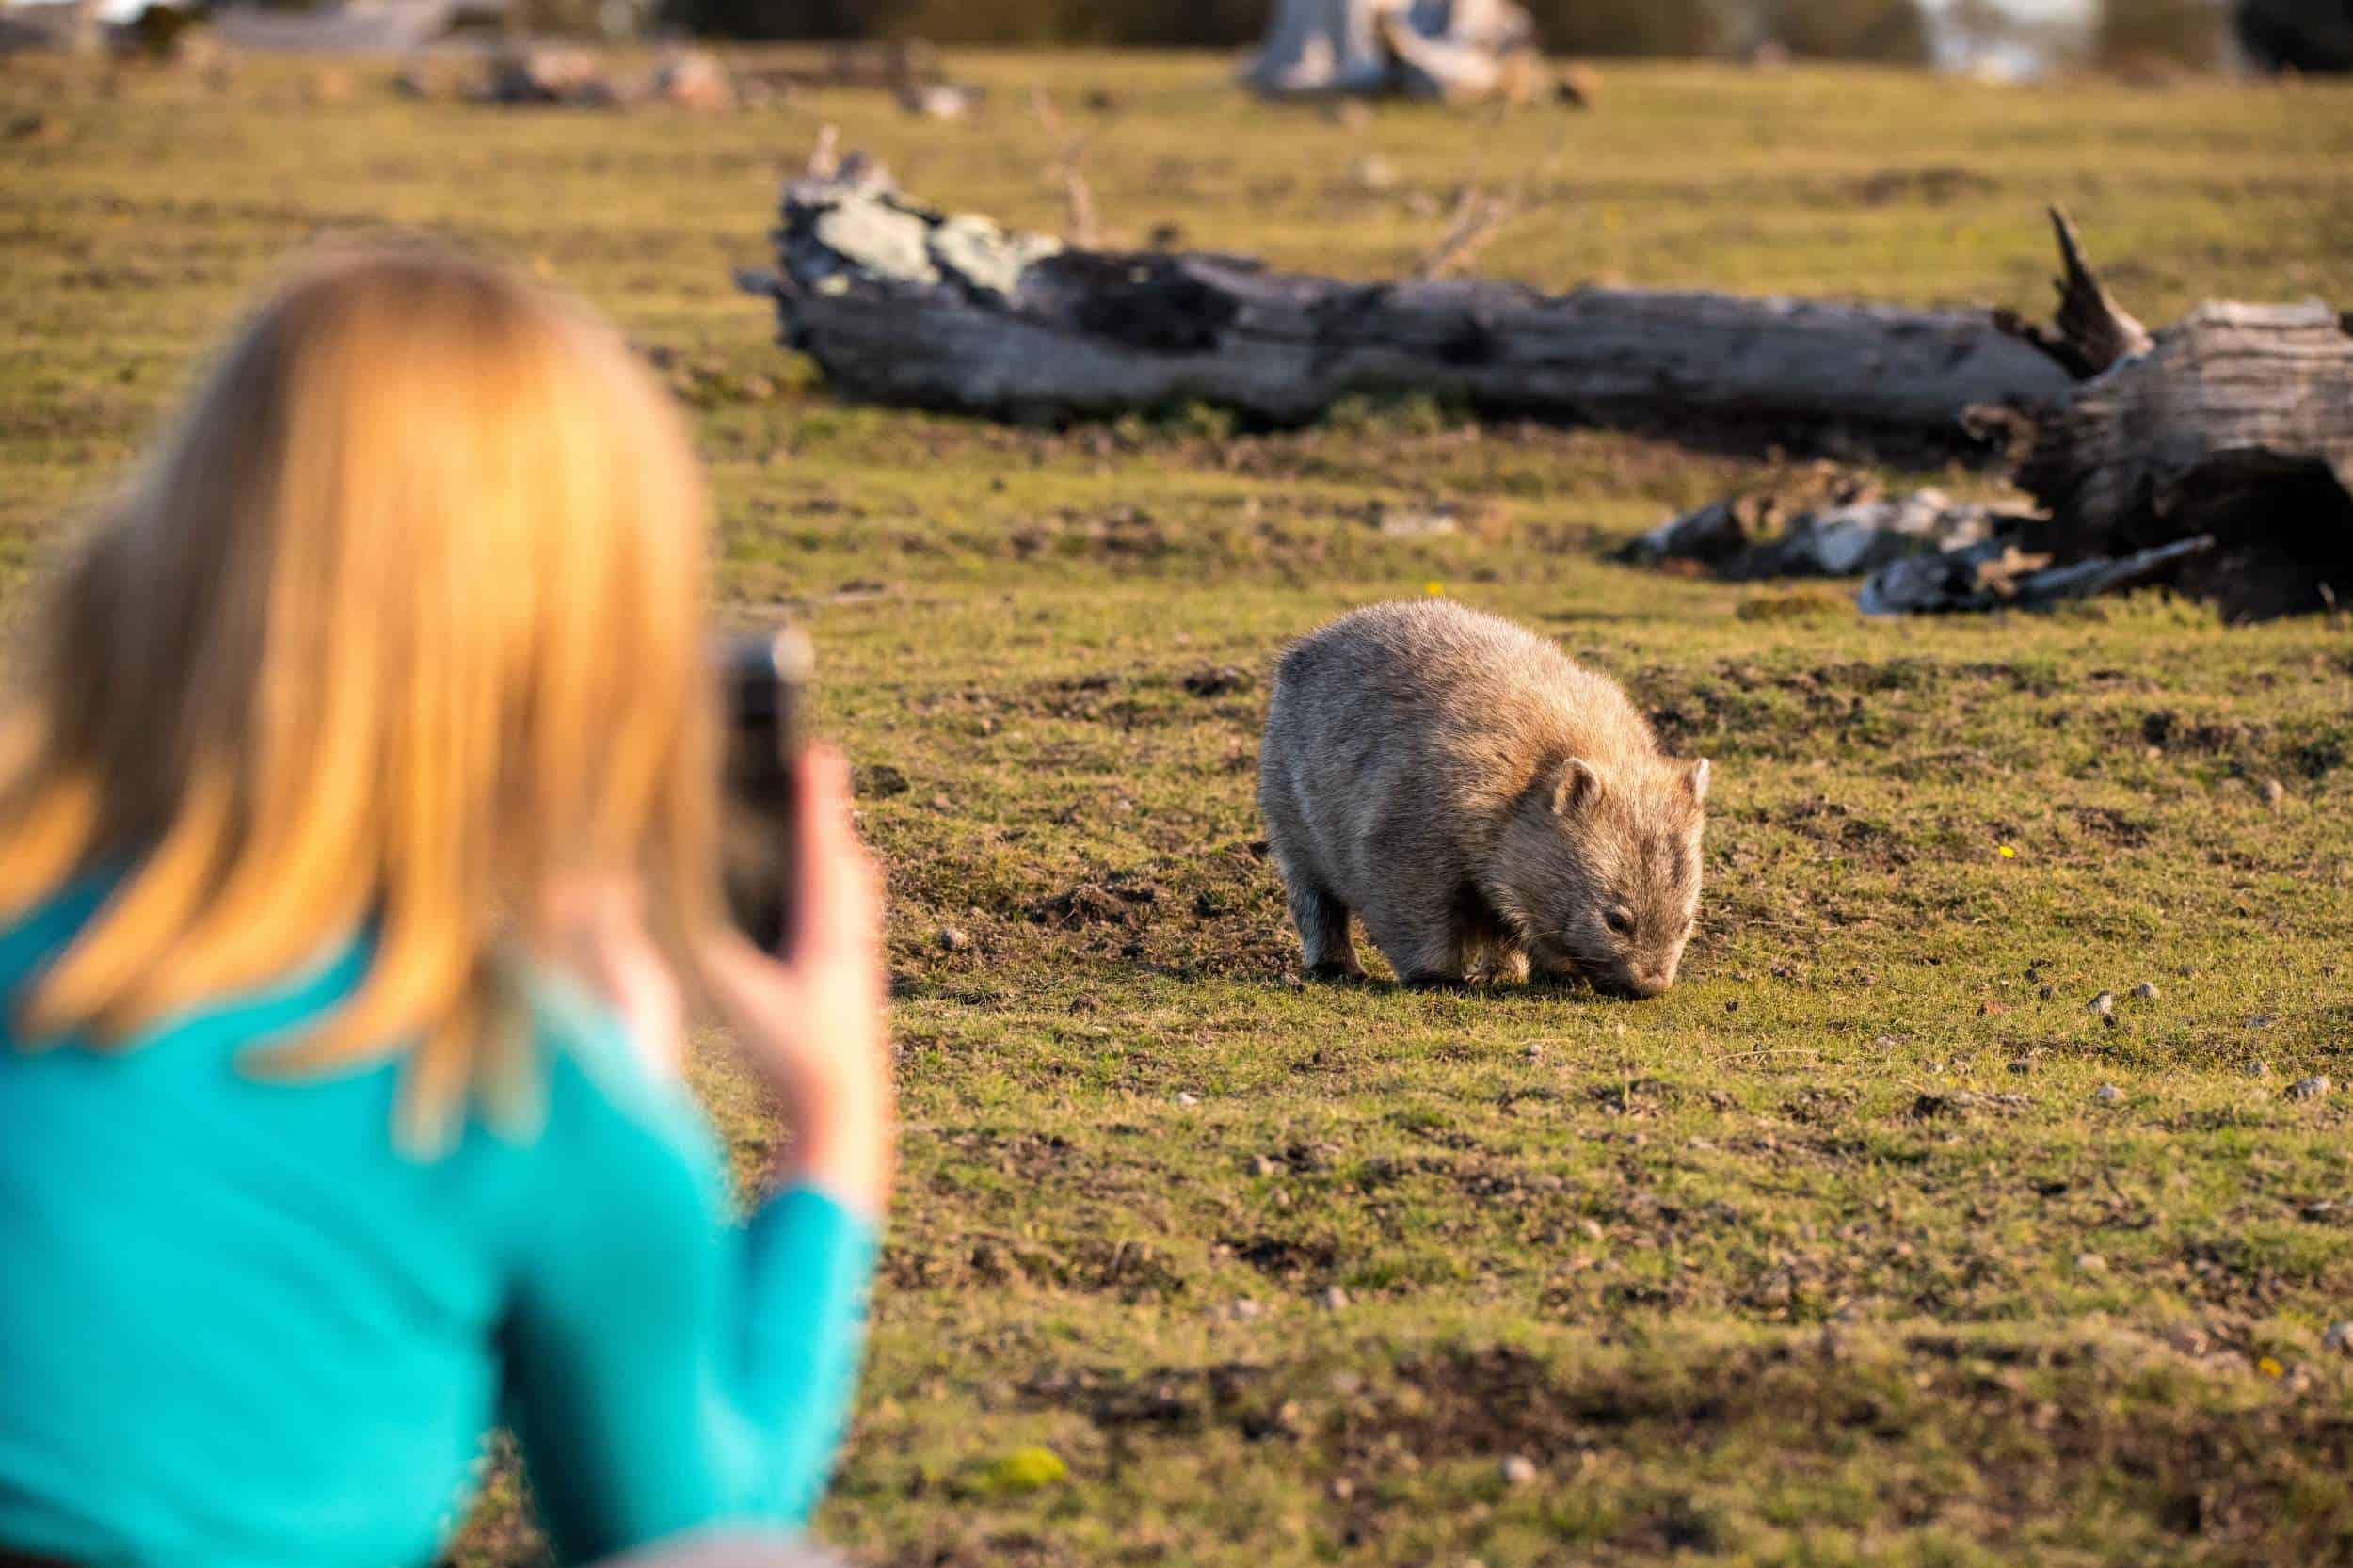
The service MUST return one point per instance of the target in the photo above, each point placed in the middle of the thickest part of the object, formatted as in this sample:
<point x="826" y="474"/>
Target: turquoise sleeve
<point x="670" y="1370"/>
<point x="805" y="1249"/>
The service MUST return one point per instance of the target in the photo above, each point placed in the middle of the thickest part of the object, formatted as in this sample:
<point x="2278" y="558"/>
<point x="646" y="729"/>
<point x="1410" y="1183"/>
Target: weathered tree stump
<point x="2235" y="423"/>
<point x="902" y="304"/>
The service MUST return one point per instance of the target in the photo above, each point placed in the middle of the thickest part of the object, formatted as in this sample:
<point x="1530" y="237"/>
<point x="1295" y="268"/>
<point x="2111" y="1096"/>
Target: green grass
<point x="1830" y="1257"/>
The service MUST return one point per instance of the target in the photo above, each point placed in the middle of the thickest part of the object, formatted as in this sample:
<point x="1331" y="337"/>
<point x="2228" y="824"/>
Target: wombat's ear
<point x="1579" y="786"/>
<point x="1696" y="781"/>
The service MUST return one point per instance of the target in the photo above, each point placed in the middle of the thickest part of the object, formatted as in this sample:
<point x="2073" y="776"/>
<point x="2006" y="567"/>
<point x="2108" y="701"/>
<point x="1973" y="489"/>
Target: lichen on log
<point x="902" y="304"/>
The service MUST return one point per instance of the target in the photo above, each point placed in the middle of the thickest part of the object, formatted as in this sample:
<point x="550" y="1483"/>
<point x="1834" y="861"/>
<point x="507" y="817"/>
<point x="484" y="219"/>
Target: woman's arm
<point x="671" y="1371"/>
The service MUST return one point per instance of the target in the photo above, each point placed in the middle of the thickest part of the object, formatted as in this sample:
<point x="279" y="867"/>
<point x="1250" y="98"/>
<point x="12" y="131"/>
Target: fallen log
<point x="902" y="304"/>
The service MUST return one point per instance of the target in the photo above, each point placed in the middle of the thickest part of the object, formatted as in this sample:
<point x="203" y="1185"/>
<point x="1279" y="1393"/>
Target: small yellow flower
<point x="2007" y="853"/>
<point x="2270" y="1368"/>
<point x="1433" y="587"/>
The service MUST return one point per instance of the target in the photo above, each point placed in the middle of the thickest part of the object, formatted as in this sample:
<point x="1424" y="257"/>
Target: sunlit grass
<point x="1829" y="1256"/>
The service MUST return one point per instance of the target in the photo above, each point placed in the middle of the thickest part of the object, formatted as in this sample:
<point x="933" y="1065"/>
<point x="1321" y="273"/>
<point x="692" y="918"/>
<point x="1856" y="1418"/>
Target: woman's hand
<point x="810" y="1020"/>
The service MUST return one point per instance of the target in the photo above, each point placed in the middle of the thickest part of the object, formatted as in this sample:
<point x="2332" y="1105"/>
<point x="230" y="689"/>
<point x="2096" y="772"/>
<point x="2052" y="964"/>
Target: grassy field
<point x="1841" y="1253"/>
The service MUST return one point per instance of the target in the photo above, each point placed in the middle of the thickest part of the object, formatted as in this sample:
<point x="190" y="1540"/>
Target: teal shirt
<point x="237" y="1327"/>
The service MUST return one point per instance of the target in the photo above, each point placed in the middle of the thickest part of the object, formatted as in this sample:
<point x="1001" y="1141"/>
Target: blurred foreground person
<point x="358" y="793"/>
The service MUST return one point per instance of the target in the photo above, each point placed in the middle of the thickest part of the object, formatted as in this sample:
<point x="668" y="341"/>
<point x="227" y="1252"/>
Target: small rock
<point x="1216" y="681"/>
<point x="2275" y="794"/>
<point x="1245" y="1310"/>
<point x="1341" y="1488"/>
<point x="2339" y="1339"/>
<point x="939" y="99"/>
<point x="1590" y="1229"/>
<point x="1412" y="523"/>
<point x="2091" y="1262"/>
<point x="954" y="940"/>
<point x="1335" y="1299"/>
<point x="2257" y="1068"/>
<point x="1535" y="1050"/>
<point x="2104" y="1004"/>
<point x="1373" y="172"/>
<point x="1262" y="1166"/>
<point x="1519" y="1470"/>
<point x="2309" y="1088"/>
<point x="2108" y="1094"/>
<point x="2146" y="990"/>
<point x="1184" y="1097"/>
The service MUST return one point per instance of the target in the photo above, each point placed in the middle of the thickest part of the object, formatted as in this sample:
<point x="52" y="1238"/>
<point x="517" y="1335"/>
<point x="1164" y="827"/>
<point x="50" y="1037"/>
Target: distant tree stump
<point x="2237" y="421"/>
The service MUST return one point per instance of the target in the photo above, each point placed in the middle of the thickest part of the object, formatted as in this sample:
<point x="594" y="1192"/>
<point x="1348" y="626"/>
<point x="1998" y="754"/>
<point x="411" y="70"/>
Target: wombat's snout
<point x="1640" y="984"/>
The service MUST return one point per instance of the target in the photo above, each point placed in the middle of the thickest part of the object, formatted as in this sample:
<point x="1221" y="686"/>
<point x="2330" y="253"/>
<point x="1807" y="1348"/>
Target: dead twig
<point x="1478" y="219"/>
<point x="1085" y="221"/>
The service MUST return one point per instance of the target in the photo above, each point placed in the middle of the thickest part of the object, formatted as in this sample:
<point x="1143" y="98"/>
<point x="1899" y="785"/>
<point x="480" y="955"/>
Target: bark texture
<point x="902" y="304"/>
<point x="2235" y="423"/>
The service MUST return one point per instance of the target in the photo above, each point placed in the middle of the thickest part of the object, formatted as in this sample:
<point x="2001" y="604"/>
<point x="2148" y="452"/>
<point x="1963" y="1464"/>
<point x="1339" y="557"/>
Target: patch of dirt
<point x="879" y="782"/>
<point x="1172" y="1401"/>
<point x="1819" y="1107"/>
<point x="1935" y="185"/>
<point x="1110" y="902"/>
<point x="1286" y="1259"/>
<point x="2168" y="730"/>
<point x="1134" y="1272"/>
<point x="1641" y="1097"/>
<point x="1932" y="1105"/>
<point x="1217" y="680"/>
<point x="2110" y="826"/>
<point x="1834" y="827"/>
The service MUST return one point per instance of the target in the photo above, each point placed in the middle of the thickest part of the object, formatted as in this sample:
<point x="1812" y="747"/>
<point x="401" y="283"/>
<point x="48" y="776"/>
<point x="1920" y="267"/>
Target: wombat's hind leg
<point x="1323" y="939"/>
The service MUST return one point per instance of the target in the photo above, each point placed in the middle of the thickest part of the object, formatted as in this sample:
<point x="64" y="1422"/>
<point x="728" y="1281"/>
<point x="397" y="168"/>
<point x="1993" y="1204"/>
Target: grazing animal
<point x="1481" y="802"/>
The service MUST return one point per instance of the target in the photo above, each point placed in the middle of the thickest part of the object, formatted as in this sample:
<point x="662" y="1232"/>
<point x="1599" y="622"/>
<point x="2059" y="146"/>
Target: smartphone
<point x="765" y="685"/>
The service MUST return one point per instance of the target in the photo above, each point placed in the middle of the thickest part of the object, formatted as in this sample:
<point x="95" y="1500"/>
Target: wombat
<point x="1483" y="804"/>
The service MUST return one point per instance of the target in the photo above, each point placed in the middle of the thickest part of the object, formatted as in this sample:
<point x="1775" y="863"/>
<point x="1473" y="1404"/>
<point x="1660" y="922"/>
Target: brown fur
<point x="1481" y="802"/>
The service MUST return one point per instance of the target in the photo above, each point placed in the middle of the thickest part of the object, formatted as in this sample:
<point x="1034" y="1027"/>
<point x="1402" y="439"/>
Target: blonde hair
<point x="402" y="620"/>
